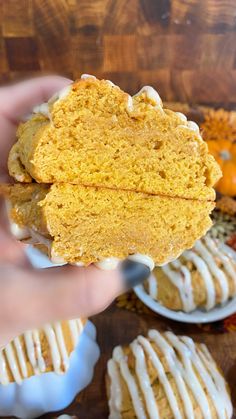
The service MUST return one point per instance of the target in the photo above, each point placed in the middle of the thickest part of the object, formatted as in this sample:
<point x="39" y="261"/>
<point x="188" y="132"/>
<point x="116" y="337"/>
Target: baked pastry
<point x="118" y="176"/>
<point x="50" y="391"/>
<point x="166" y="376"/>
<point x="95" y="134"/>
<point x="200" y="278"/>
<point x="39" y="351"/>
<point x="80" y="224"/>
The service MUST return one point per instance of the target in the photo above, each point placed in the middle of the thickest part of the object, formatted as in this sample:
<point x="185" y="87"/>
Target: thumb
<point x="18" y="100"/>
<point x="30" y="298"/>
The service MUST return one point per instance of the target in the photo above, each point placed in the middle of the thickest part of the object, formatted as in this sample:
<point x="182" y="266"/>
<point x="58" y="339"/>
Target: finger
<point x="30" y="298"/>
<point x="87" y="291"/>
<point x="8" y="137"/>
<point x="19" y="99"/>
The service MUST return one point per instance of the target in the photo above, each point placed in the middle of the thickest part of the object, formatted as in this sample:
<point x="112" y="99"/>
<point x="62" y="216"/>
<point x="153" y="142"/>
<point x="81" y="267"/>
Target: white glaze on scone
<point x="191" y="367"/>
<point x="204" y="256"/>
<point x="14" y="355"/>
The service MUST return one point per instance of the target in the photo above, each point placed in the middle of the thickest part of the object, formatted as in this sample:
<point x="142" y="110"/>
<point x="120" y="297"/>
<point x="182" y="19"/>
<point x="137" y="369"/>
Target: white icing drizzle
<point x="152" y="95"/>
<point x="108" y="263"/>
<point x="64" y="92"/>
<point x="217" y="377"/>
<point x="21" y="357"/>
<point x="111" y="83"/>
<point x="223" y="257"/>
<point x="16" y="358"/>
<point x="182" y="281"/>
<point x="38" y="350"/>
<point x="120" y="358"/>
<point x="19" y="177"/>
<point x="79" y="264"/>
<point x="130" y="105"/>
<point x="62" y="345"/>
<point x="193" y="126"/>
<point x="87" y="76"/>
<point x="144" y="259"/>
<point x="115" y="400"/>
<point x="61" y="94"/>
<point x="11" y="359"/>
<point x="66" y="417"/>
<point x="190" y="374"/>
<point x="191" y="368"/>
<point x="217" y="273"/>
<point x="20" y="233"/>
<point x="112" y="262"/>
<point x="4" y="378"/>
<point x="43" y="109"/>
<point x="204" y="256"/>
<point x="181" y="116"/>
<point x="55" y="352"/>
<point x="175" y="369"/>
<point x="206" y="276"/>
<point x="28" y="337"/>
<point x="153" y="286"/>
<point x="144" y="380"/>
<point x="206" y="377"/>
<point x="161" y="376"/>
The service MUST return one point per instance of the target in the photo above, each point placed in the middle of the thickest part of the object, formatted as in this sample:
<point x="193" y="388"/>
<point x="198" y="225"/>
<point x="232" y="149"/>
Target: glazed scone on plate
<point x="40" y="351"/>
<point x="116" y="176"/>
<point x="200" y="278"/>
<point x="166" y="376"/>
<point x="79" y="224"/>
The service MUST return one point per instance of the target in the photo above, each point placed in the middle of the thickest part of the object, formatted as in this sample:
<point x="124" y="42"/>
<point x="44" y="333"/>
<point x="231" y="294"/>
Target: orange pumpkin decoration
<point x="224" y="152"/>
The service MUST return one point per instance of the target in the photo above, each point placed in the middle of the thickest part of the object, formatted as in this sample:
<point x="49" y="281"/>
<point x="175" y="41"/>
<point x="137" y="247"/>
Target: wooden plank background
<point x="185" y="48"/>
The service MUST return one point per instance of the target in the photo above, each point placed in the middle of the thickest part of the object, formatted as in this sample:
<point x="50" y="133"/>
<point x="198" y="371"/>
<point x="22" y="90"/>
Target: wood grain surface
<point x="185" y="48"/>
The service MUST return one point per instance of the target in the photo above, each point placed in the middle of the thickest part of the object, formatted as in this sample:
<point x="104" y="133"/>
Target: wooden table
<point x="184" y="48"/>
<point x="119" y="326"/>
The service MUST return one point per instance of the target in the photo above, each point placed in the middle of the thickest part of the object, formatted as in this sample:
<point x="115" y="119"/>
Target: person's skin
<point x="29" y="297"/>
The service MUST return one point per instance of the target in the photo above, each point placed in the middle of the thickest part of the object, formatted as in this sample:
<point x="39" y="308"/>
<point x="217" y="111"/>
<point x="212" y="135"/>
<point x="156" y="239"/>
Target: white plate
<point x="197" y="316"/>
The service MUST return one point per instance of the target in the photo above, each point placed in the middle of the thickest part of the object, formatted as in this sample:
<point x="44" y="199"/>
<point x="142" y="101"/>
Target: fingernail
<point x="134" y="273"/>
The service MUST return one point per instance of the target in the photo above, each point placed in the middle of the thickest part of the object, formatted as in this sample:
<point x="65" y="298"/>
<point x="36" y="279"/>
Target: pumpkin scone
<point x="116" y="176"/>
<point x="97" y="135"/>
<point x="39" y="351"/>
<point x="84" y="225"/>
<point x="166" y="376"/>
<point x="200" y="278"/>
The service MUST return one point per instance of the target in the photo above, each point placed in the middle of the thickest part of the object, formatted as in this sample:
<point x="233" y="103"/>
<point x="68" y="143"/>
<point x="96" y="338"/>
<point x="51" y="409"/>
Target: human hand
<point x="30" y="297"/>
